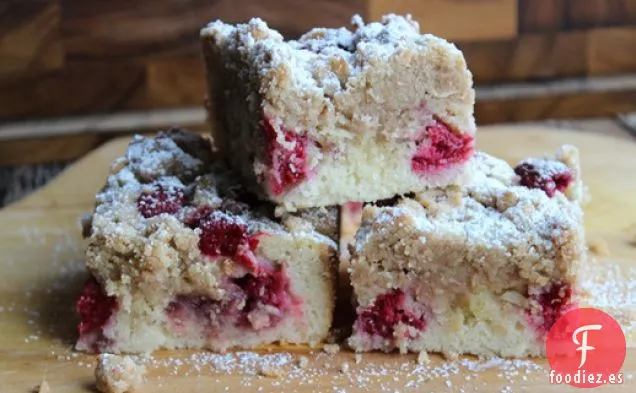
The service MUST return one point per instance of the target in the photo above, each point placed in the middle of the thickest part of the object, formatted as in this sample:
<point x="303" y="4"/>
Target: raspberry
<point x="160" y="200"/>
<point x="225" y="235"/>
<point x="182" y="306"/>
<point x="245" y="253"/>
<point x="269" y="289"/>
<point x="549" y="176"/>
<point x="554" y="301"/>
<point x="178" y="311"/>
<point x="441" y="148"/>
<point x="213" y="314"/>
<point x="221" y="235"/>
<point x="287" y="167"/>
<point x="386" y="312"/>
<point x="253" y="241"/>
<point x="266" y="293"/>
<point x="94" y="307"/>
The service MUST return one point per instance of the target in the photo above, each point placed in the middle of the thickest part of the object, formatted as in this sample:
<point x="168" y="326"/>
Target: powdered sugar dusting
<point x="151" y="158"/>
<point x="310" y="59"/>
<point x="548" y="175"/>
<point x="249" y="363"/>
<point x="172" y="173"/>
<point x="611" y="287"/>
<point x="546" y="167"/>
<point x="285" y="370"/>
<point x="490" y="212"/>
<point x="385" y="376"/>
<point x="40" y="301"/>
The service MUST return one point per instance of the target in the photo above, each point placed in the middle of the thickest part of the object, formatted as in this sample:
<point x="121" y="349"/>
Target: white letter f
<point x="584" y="347"/>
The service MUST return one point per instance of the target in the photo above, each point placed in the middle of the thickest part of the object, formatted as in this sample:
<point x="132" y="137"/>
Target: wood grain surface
<point x="455" y="20"/>
<point x="30" y="39"/>
<point x="105" y="30"/>
<point x="553" y="105"/>
<point x="542" y="15"/>
<point x="551" y="15"/>
<point x="75" y="89"/>
<point x="171" y="83"/>
<point x="594" y="13"/>
<point x="533" y="57"/>
<point x="72" y="57"/>
<point x="612" y="50"/>
<point x="42" y="271"/>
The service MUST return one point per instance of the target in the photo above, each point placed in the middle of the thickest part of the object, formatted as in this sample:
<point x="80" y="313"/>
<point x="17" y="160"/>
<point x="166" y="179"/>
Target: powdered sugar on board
<point x="611" y="287"/>
<point x="286" y="370"/>
<point x="43" y="307"/>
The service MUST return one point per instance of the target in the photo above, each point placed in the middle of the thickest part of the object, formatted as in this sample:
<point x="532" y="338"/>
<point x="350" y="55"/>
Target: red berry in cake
<point x="254" y="301"/>
<point x="94" y="307"/>
<point x="268" y="288"/>
<point x="254" y="240"/>
<point x="553" y="302"/>
<point x="441" y="148"/>
<point x="160" y="200"/>
<point x="386" y="312"/>
<point x="266" y="292"/>
<point x="287" y="161"/>
<point x="221" y="234"/>
<point x="549" y="176"/>
<point x="226" y="235"/>
<point x="245" y="253"/>
<point x="206" y="311"/>
<point x="178" y="313"/>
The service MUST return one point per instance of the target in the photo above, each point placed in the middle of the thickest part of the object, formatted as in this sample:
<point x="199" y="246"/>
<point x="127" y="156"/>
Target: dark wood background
<point x="550" y="58"/>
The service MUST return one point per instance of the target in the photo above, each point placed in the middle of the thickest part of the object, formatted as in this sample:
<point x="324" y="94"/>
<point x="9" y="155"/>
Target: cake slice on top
<point x="339" y="115"/>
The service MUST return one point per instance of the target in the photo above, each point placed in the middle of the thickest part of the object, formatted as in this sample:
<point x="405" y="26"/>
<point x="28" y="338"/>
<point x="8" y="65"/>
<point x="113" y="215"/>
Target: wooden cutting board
<point x="42" y="270"/>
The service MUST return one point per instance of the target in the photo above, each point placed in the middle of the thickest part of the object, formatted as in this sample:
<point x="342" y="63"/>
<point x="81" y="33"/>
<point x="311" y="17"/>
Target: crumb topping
<point x="118" y="374"/>
<point x="311" y="55"/>
<point x="524" y="224"/>
<point x="149" y="159"/>
<point x="318" y="81"/>
<point x="171" y="205"/>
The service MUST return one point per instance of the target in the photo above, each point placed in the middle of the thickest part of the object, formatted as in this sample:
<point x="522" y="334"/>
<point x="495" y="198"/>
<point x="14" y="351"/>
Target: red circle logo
<point x="586" y="348"/>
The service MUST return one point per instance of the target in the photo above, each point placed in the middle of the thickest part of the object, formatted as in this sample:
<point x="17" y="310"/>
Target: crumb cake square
<point x="179" y="257"/>
<point x="339" y="115"/>
<point x="484" y="269"/>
